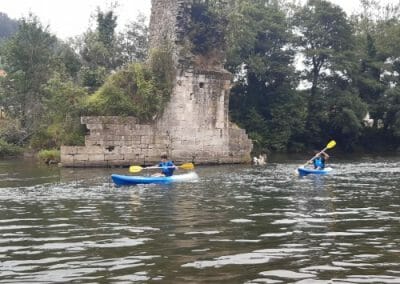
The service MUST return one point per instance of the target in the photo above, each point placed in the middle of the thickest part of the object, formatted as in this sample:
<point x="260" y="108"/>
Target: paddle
<point x="330" y="145"/>
<point x="136" y="169"/>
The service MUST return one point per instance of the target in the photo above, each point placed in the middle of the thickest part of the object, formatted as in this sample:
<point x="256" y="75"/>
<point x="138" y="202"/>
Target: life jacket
<point x="319" y="163"/>
<point x="167" y="168"/>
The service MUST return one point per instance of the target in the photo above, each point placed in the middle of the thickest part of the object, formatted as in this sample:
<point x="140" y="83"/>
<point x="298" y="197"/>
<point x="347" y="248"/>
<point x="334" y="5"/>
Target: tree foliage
<point x="28" y="57"/>
<point x="62" y="108"/>
<point x="303" y="73"/>
<point x="264" y="100"/>
<point x="139" y="90"/>
<point x="48" y="81"/>
<point x="102" y="50"/>
<point x="324" y="33"/>
<point x="7" y="149"/>
<point x="207" y="26"/>
<point x="134" y="43"/>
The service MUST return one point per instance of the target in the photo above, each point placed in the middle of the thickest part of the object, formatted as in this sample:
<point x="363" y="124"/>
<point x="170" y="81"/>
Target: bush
<point x="139" y="90"/>
<point x="7" y="150"/>
<point x="61" y="120"/>
<point x="11" y="132"/>
<point x="92" y="78"/>
<point x="41" y="139"/>
<point x="49" y="156"/>
<point x="57" y="134"/>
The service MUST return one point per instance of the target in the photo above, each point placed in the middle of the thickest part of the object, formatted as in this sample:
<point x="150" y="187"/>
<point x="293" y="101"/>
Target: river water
<point x="235" y="224"/>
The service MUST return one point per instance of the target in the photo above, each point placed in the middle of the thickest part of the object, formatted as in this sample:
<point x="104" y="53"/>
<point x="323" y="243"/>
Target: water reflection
<point x="237" y="224"/>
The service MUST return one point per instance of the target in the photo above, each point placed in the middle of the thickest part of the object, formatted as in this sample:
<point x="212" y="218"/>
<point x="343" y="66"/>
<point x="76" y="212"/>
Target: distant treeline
<point x="304" y="74"/>
<point x="8" y="26"/>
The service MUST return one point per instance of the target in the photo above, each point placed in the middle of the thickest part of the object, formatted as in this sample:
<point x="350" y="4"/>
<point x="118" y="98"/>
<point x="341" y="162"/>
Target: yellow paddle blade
<point x="187" y="166"/>
<point x="331" y="144"/>
<point x="135" y="169"/>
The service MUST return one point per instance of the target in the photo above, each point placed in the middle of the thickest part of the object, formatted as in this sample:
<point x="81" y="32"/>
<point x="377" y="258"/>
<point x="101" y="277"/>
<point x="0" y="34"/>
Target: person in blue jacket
<point x="167" y="166"/>
<point x="319" y="160"/>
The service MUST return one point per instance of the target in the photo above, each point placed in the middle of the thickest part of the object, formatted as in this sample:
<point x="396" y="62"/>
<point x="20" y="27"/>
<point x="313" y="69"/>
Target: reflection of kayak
<point x="306" y="171"/>
<point x="132" y="180"/>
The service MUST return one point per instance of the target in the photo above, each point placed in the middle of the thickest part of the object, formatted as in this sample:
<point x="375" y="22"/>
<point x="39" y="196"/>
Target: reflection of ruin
<point x="195" y="125"/>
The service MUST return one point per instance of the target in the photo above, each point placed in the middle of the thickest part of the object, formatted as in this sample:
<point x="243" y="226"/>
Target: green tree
<point x="67" y="60"/>
<point x="378" y="37"/>
<point x="327" y="41"/>
<point x="98" y="50"/>
<point x="28" y="58"/>
<point x="139" y="89"/>
<point x="387" y="107"/>
<point x="60" y="123"/>
<point x="392" y="114"/>
<point x="324" y="33"/>
<point x="345" y="113"/>
<point x="264" y="99"/>
<point x="134" y="42"/>
<point x="106" y="24"/>
<point x="207" y="28"/>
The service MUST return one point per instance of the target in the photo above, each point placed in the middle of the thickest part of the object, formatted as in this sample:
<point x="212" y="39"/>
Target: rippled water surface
<point x="236" y="224"/>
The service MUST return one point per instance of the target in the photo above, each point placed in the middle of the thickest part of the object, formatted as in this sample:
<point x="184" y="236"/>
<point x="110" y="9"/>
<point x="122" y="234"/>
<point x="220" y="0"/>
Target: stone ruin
<point x="195" y="124"/>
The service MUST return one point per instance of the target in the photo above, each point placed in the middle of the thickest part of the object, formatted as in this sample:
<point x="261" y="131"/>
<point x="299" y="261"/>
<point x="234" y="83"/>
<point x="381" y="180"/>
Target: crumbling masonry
<point x="195" y="125"/>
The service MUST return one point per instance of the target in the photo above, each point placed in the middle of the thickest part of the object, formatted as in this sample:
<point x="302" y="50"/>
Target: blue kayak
<point x="133" y="180"/>
<point x="306" y="171"/>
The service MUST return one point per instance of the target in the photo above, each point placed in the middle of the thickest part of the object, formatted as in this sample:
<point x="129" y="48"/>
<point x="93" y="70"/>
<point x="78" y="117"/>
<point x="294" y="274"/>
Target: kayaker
<point x="319" y="161"/>
<point x="167" y="166"/>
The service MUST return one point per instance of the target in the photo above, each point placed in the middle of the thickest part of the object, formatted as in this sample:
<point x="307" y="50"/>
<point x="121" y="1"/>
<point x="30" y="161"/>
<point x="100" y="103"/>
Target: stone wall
<point x="195" y="125"/>
<point x="116" y="141"/>
<point x="120" y="141"/>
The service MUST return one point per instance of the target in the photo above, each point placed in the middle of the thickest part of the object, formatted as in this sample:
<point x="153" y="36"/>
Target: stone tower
<point x="198" y="110"/>
<point x="195" y="124"/>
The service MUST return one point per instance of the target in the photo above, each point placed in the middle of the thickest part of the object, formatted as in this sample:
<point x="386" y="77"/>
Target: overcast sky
<point x="68" y="18"/>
